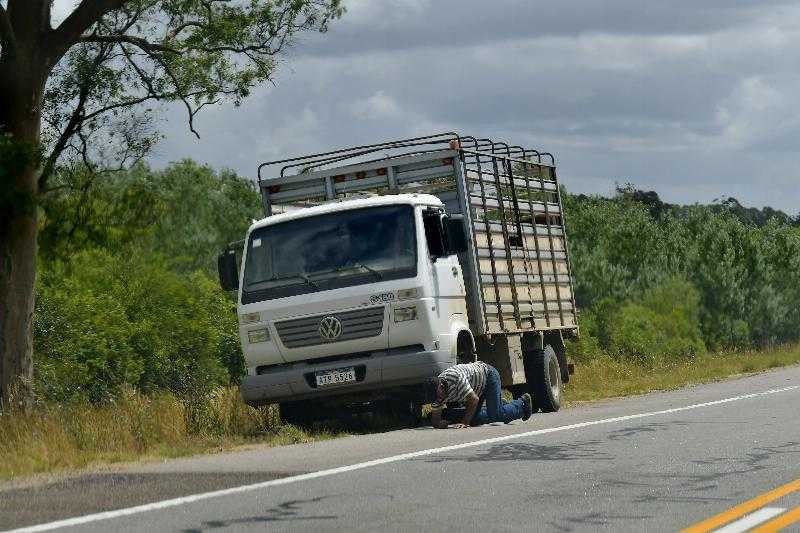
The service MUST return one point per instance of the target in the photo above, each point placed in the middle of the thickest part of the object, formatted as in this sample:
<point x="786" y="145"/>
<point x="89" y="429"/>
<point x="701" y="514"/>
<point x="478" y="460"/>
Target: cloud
<point x="690" y="98"/>
<point x="761" y="114"/>
<point x="379" y="106"/>
<point x="61" y="10"/>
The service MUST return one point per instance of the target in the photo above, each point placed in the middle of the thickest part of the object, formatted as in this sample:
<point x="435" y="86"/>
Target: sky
<point x="696" y="100"/>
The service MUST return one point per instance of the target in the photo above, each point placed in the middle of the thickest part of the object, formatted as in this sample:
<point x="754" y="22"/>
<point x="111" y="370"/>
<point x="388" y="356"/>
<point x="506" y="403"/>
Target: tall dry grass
<point x="604" y="376"/>
<point x="70" y="436"/>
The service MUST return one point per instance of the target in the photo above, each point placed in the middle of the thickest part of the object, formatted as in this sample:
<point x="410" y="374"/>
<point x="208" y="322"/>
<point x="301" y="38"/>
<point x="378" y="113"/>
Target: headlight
<point x="406" y="294"/>
<point x="249" y="318"/>
<point x="258" y="335"/>
<point x="404" y="314"/>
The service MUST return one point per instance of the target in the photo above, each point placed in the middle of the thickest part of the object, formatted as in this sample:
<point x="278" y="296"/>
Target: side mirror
<point x="455" y="235"/>
<point x="228" y="273"/>
<point x="434" y="232"/>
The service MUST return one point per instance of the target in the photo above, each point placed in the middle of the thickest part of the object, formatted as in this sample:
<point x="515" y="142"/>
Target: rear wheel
<point x="561" y="354"/>
<point x="543" y="374"/>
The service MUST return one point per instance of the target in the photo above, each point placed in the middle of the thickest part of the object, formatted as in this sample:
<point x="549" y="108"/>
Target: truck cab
<point x="350" y="295"/>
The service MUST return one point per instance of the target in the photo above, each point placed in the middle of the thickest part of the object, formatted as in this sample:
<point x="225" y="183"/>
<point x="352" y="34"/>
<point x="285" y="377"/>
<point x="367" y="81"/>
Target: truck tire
<point x="561" y="353"/>
<point x="408" y="412"/>
<point x="543" y="374"/>
<point x="464" y="351"/>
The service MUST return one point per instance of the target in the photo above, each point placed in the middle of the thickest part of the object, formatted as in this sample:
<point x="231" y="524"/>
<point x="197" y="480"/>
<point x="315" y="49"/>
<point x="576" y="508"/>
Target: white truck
<point x="377" y="267"/>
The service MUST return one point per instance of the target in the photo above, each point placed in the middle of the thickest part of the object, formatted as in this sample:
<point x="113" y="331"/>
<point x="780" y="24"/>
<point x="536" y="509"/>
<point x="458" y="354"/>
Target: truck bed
<point x="517" y="268"/>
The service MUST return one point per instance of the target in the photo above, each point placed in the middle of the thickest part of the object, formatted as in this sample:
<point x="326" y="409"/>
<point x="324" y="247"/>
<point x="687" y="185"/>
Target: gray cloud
<point x="692" y="99"/>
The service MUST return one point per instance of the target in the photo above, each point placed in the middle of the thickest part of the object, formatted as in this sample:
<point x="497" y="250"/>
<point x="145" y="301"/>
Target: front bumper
<point x="377" y="372"/>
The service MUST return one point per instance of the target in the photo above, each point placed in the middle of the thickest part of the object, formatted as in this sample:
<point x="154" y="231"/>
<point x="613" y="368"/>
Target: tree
<point x="83" y="93"/>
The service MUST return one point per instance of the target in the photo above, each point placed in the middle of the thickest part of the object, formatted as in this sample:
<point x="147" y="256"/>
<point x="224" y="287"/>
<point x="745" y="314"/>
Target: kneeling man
<point x="475" y="384"/>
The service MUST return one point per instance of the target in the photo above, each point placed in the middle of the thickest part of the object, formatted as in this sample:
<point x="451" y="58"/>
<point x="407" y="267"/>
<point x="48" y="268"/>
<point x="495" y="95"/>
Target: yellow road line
<point x="743" y="508"/>
<point x="776" y="524"/>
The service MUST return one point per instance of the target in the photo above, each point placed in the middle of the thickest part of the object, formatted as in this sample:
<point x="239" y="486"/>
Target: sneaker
<point x="527" y="406"/>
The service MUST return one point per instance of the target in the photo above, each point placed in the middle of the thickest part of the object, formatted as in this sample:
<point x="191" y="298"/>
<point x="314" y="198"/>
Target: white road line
<point x="81" y="520"/>
<point x="751" y="520"/>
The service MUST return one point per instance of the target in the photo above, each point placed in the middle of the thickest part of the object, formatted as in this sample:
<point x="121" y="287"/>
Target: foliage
<point x="83" y="211"/>
<point x="200" y="212"/>
<point x="107" y="321"/>
<point x="186" y="212"/>
<point x="118" y="60"/>
<point x="747" y="215"/>
<point x="15" y="156"/>
<point x="747" y="276"/>
<point x="663" y="323"/>
<point x="127" y="296"/>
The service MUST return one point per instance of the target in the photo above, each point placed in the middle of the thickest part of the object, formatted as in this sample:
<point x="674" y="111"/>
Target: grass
<point x="606" y="377"/>
<point x="53" y="438"/>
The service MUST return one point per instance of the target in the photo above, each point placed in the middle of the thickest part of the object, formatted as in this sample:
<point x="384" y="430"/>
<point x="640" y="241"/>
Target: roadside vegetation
<point x="137" y="352"/>
<point x="72" y="435"/>
<point x="605" y="376"/>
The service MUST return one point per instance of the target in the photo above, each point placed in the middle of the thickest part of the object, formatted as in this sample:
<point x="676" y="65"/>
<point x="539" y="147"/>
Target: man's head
<point x="436" y="389"/>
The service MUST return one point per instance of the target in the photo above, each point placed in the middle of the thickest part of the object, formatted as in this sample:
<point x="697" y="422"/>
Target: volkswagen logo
<point x="330" y="328"/>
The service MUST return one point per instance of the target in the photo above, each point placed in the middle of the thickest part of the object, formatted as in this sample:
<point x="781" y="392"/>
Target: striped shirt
<point x="461" y="380"/>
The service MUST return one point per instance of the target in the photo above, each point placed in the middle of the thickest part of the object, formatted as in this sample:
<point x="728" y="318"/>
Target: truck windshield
<point x="330" y="251"/>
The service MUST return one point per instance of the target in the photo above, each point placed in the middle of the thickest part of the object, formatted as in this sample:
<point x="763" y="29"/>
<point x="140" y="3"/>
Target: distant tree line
<point x="731" y="273"/>
<point x="730" y="205"/>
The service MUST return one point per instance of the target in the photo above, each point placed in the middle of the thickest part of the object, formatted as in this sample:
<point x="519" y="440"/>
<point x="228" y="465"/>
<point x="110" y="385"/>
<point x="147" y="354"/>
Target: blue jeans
<point x="494" y="409"/>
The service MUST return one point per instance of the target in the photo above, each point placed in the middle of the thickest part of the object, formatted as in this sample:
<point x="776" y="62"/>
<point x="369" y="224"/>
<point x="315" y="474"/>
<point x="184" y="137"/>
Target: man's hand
<point x="437" y="421"/>
<point x="472" y="406"/>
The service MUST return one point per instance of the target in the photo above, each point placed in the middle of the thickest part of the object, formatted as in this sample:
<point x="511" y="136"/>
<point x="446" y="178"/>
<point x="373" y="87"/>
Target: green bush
<point x="104" y="321"/>
<point x="661" y="323"/>
<point x="186" y="212"/>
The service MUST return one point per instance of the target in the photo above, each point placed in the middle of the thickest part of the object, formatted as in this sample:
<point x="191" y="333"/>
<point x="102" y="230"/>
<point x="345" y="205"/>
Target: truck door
<point x="447" y="277"/>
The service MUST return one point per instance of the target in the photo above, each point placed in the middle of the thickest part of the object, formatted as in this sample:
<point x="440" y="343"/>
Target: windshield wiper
<point x="310" y="282"/>
<point x="361" y="265"/>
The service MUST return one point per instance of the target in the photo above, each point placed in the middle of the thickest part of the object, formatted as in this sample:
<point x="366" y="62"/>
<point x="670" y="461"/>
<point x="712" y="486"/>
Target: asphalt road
<point x="659" y="462"/>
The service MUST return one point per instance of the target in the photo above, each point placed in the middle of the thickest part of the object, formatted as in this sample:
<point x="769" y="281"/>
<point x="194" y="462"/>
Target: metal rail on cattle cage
<point x="510" y="199"/>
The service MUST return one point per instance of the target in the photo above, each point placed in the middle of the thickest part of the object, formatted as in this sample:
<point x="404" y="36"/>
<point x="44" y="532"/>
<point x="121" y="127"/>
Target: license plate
<point x="335" y="377"/>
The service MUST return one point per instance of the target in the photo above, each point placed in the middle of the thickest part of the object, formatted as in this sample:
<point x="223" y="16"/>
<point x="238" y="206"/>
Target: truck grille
<point x="356" y="324"/>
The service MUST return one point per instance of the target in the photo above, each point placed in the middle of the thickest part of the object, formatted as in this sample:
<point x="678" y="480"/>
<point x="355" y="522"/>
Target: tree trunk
<point x="21" y="89"/>
<point x="17" y="277"/>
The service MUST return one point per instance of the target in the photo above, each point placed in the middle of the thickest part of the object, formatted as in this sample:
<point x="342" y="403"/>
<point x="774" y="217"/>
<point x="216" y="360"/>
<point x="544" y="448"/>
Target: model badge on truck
<point x="381" y="298"/>
<point x="330" y="328"/>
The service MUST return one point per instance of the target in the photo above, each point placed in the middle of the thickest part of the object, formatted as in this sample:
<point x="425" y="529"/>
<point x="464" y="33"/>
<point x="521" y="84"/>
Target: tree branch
<point x="174" y="33"/>
<point x="74" y="123"/>
<point x="80" y="20"/>
<point x="144" y="44"/>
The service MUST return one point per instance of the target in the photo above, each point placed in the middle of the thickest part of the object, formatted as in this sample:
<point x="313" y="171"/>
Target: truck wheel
<point x="561" y="354"/>
<point x="464" y="351"/>
<point x="407" y="412"/>
<point x="518" y="390"/>
<point x="543" y="374"/>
